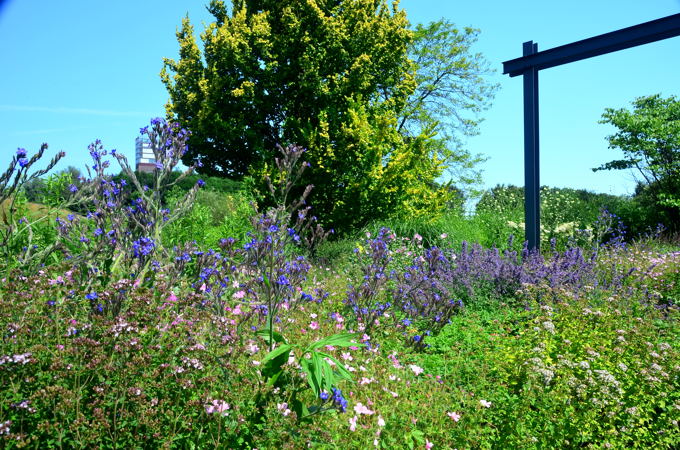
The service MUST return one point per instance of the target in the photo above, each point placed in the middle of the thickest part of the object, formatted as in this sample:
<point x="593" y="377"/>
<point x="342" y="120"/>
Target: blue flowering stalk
<point x="16" y="232"/>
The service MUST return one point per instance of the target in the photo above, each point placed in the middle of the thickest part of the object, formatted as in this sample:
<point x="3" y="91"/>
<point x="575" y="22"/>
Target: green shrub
<point x="213" y="216"/>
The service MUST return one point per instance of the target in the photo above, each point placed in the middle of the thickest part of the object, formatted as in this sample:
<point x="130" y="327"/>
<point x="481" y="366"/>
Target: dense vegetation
<point x="182" y="310"/>
<point x="649" y="137"/>
<point x="120" y="331"/>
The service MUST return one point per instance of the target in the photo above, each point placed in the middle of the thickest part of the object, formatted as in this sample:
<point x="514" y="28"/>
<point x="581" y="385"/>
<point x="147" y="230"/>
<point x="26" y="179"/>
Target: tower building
<point x="146" y="160"/>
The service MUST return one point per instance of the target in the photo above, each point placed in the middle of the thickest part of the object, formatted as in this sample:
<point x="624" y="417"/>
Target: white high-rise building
<point x="146" y="160"/>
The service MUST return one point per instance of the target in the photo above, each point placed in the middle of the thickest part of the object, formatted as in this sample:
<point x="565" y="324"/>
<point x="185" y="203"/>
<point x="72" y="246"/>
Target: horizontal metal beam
<point x="644" y="33"/>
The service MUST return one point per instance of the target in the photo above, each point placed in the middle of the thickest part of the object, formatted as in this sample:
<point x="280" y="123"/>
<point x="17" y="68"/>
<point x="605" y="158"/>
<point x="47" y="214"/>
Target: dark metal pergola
<point x="532" y="61"/>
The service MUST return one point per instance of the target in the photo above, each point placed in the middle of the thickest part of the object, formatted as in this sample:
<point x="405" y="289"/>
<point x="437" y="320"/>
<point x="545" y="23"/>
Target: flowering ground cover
<point x="111" y="338"/>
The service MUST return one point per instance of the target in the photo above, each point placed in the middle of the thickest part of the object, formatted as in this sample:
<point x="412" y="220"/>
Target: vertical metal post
<point x="532" y="201"/>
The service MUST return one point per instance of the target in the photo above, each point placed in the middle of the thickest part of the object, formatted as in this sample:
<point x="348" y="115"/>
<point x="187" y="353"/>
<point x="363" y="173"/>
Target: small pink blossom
<point x="485" y="404"/>
<point x="239" y="294"/>
<point x="171" y="298"/>
<point x="314" y="325"/>
<point x="454" y="416"/>
<point x="283" y="407"/>
<point x="428" y="444"/>
<point x="381" y="421"/>
<point x="217" y="406"/>
<point x="353" y="423"/>
<point x="361" y="409"/>
<point x="416" y="369"/>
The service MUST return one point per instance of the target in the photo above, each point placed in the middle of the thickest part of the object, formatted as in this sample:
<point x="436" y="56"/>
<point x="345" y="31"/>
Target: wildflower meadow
<point x="135" y="314"/>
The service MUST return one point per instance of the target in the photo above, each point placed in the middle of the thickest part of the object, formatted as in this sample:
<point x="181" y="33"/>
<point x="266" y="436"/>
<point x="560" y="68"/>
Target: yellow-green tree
<point x="333" y="76"/>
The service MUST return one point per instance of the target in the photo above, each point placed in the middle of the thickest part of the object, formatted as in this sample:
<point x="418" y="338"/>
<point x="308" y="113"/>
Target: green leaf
<point x="312" y="376"/>
<point x="343" y="373"/>
<point x="337" y="340"/>
<point x="278" y="351"/>
<point x="273" y="362"/>
<point x="277" y="337"/>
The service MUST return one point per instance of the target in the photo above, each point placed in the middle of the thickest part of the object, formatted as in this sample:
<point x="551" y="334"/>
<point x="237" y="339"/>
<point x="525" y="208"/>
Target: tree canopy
<point x="649" y="137"/>
<point x="335" y="77"/>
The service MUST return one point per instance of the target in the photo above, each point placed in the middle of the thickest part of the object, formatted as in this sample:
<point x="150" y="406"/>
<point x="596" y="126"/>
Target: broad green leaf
<point x="264" y="334"/>
<point x="342" y="371"/>
<point x="278" y="351"/>
<point x="311" y="372"/>
<point x="318" y="373"/>
<point x="337" y="340"/>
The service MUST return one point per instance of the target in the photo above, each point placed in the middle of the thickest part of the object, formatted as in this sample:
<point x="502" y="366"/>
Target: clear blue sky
<point x="76" y="70"/>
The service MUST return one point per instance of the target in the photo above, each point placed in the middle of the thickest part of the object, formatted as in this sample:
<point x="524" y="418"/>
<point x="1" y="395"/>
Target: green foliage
<point x="314" y="363"/>
<point x="183" y="185"/>
<point x="649" y="137"/>
<point x="450" y="93"/>
<point x="212" y="216"/>
<point x="567" y="215"/>
<point x="335" y="78"/>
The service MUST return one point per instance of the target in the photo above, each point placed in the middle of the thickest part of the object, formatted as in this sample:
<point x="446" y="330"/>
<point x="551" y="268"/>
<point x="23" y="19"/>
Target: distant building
<point x="146" y="160"/>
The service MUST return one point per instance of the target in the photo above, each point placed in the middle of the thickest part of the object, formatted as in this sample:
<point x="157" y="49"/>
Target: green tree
<point x="333" y="76"/>
<point x="649" y="137"/>
<point x="451" y="93"/>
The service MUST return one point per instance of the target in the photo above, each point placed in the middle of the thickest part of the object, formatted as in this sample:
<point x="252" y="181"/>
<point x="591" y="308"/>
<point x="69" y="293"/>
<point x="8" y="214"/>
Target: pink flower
<point x="353" y="423"/>
<point x="361" y="409"/>
<point x="283" y="407"/>
<point x="381" y="421"/>
<point x="217" y="406"/>
<point x="485" y="404"/>
<point x="314" y="325"/>
<point x="239" y="294"/>
<point x="428" y="444"/>
<point x="237" y="311"/>
<point x="171" y="298"/>
<point x="417" y="370"/>
<point x="454" y="416"/>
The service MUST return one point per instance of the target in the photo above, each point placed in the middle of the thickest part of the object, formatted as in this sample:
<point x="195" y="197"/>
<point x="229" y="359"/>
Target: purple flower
<point x="143" y="247"/>
<point x="21" y="152"/>
<point x="23" y="162"/>
<point x="92" y="296"/>
<point x="73" y="188"/>
<point x="200" y="183"/>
